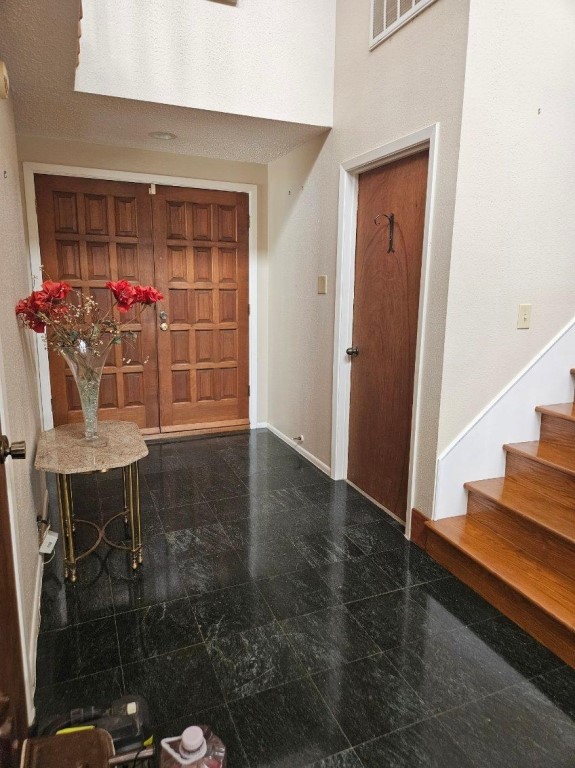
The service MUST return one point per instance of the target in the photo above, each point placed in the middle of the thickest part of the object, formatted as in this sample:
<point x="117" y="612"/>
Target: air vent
<point x="387" y="16"/>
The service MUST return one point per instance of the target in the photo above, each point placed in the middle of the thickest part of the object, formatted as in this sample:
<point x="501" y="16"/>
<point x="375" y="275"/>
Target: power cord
<point x="46" y="562"/>
<point x="136" y="756"/>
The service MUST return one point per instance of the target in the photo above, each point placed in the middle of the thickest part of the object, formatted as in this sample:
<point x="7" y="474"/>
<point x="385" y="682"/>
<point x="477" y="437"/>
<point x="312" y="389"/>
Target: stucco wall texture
<point x="269" y="60"/>
<point x="514" y="232"/>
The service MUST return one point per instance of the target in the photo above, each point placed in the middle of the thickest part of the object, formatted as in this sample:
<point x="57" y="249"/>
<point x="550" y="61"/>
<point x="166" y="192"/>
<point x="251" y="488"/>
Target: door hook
<point x="391" y="219"/>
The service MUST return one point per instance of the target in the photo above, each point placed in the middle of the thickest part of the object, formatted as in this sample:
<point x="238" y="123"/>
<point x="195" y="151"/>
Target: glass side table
<point x="61" y="452"/>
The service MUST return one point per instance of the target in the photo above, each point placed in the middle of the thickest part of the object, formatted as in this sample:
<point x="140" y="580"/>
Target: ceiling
<point x="38" y="44"/>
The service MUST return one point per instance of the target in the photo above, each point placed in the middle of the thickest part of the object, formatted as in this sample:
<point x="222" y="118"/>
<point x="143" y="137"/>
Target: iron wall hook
<point x="391" y="219"/>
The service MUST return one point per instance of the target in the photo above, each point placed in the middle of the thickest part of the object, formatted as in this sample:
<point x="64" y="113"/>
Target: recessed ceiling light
<point x="164" y="135"/>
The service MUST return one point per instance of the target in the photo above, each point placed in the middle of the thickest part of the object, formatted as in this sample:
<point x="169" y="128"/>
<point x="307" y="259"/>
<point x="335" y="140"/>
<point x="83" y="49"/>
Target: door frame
<point x="426" y="138"/>
<point x="18" y="678"/>
<point x="30" y="168"/>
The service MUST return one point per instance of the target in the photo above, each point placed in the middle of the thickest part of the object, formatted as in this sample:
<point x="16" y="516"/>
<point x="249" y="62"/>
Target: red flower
<point x="124" y="293"/>
<point x="54" y="291"/>
<point x="29" y="309"/>
<point x="147" y="294"/>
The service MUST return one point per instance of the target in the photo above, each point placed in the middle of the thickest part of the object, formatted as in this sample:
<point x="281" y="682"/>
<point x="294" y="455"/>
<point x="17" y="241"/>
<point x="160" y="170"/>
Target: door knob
<point x="16" y="450"/>
<point x="164" y="326"/>
<point x="352" y="351"/>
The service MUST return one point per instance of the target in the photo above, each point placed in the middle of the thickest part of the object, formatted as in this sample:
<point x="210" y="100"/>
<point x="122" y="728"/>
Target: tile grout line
<point x="309" y="677"/>
<point x="120" y="655"/>
<point x="241" y="743"/>
<point x="277" y="621"/>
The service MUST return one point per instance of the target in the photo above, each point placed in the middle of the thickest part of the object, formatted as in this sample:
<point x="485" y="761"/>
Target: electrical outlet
<point x="524" y="316"/>
<point x="49" y="543"/>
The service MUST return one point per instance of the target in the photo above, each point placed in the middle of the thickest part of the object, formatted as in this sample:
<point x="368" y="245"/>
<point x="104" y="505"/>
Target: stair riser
<point x="524" y="533"/>
<point x="557" y="430"/>
<point x="526" y="614"/>
<point x="552" y="482"/>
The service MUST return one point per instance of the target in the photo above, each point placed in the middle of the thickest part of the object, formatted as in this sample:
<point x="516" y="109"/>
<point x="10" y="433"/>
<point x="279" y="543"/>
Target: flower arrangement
<point x="70" y="322"/>
<point x="83" y="335"/>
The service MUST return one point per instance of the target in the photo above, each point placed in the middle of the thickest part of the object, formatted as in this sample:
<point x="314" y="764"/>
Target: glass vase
<point x="87" y="365"/>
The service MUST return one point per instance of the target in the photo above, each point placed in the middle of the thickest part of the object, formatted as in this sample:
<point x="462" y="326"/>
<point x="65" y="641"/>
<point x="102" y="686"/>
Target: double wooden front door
<point x="385" y="322"/>
<point x="186" y="367"/>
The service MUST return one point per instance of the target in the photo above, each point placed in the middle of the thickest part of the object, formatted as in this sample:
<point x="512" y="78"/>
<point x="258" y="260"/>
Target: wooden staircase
<point x="516" y="545"/>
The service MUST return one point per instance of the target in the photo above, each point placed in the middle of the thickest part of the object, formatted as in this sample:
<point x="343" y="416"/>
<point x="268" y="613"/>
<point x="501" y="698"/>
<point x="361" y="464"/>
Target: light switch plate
<point x="524" y="316"/>
<point x="322" y="284"/>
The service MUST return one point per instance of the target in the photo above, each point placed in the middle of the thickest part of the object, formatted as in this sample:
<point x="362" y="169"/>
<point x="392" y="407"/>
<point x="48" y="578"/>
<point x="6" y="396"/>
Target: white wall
<point x="514" y="233"/>
<point x="301" y="246"/>
<point x="19" y="407"/>
<point x="163" y="163"/>
<point x="413" y="79"/>
<point x="477" y="453"/>
<point x="271" y="60"/>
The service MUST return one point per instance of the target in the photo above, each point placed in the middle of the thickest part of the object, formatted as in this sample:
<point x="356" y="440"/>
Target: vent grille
<point x="389" y="15"/>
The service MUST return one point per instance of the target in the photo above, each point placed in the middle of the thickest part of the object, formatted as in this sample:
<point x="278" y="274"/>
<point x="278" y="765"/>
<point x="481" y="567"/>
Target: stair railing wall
<point x="477" y="452"/>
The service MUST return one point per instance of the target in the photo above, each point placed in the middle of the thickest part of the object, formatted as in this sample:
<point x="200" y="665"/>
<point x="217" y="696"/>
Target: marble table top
<point x="60" y="450"/>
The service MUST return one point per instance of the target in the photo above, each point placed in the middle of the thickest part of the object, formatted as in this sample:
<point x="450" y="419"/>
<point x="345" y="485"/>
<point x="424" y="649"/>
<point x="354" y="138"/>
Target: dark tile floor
<point x="291" y="615"/>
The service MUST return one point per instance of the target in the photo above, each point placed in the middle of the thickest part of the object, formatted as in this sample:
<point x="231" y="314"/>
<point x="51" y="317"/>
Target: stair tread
<point x="558" y="519"/>
<point x="562" y="410"/>
<point x="561" y="457"/>
<point x="551" y="591"/>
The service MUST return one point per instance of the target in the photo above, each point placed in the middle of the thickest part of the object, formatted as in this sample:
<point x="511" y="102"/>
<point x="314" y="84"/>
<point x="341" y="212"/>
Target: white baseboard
<point x="33" y="639"/>
<point x="477" y="452"/>
<point x="32" y="644"/>
<point x="297" y="447"/>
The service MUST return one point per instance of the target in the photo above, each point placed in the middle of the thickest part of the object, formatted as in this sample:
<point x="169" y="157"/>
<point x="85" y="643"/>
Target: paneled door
<point x="92" y="231"/>
<point x="385" y="321"/>
<point x="201" y="256"/>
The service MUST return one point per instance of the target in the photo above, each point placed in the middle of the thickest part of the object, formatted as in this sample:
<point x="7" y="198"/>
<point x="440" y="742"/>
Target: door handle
<point x="352" y="351"/>
<point x="16" y="450"/>
<point x="164" y="326"/>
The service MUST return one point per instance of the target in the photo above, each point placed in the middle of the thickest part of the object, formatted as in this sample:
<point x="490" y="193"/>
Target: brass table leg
<point x="130" y="515"/>
<point x="133" y="490"/>
<point x="71" y="495"/>
<point x="65" y="504"/>
<point x="126" y="494"/>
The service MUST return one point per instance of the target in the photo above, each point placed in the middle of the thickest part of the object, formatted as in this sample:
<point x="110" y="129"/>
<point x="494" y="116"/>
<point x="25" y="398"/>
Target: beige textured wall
<point x="269" y="60"/>
<point x="19" y="411"/>
<point x="413" y="79"/>
<point x="514" y="232"/>
<point x="59" y="152"/>
<point x="301" y="244"/>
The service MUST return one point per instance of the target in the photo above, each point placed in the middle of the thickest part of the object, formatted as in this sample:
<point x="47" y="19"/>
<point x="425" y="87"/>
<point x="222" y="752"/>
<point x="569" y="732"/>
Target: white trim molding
<point x="30" y="168"/>
<point x="477" y="452"/>
<point x="348" y="190"/>
<point x="33" y="639"/>
<point x="400" y="19"/>
<point x="297" y="447"/>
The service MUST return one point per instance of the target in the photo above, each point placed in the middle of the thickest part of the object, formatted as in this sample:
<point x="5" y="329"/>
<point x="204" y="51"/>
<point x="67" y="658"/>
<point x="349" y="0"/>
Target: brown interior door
<point x="11" y="659"/>
<point x="201" y="252"/>
<point x="386" y="304"/>
<point x="92" y="231"/>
